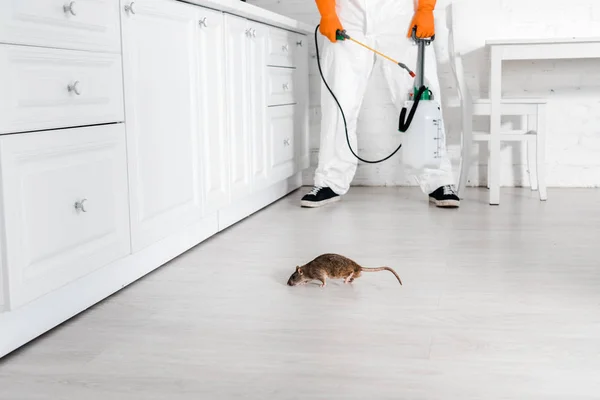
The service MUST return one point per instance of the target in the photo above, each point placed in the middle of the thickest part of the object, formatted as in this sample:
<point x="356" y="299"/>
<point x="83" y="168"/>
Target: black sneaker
<point x="444" y="196"/>
<point x="319" y="196"/>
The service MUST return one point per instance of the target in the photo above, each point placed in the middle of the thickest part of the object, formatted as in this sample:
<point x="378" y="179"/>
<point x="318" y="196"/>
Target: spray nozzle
<point x="341" y="35"/>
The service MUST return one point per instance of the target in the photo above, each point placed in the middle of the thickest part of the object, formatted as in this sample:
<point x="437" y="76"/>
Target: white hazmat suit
<point x="347" y="68"/>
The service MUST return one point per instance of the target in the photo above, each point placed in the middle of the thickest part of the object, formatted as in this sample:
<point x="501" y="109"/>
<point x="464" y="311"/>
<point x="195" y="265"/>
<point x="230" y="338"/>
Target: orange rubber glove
<point x="330" y="22"/>
<point x="423" y="19"/>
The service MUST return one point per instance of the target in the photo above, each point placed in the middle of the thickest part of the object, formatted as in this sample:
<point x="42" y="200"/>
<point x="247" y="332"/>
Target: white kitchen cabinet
<point x="301" y="96"/>
<point x="91" y="25"/>
<point x="287" y="90"/>
<point x="261" y="72"/>
<point x="55" y="88"/>
<point x="257" y="103"/>
<point x="282" y="122"/>
<point x="160" y="68"/>
<point x="247" y="80"/>
<point x="237" y="50"/>
<point x="212" y="108"/>
<point x="281" y="86"/>
<point x="132" y="131"/>
<point x="66" y="212"/>
<point x="283" y="47"/>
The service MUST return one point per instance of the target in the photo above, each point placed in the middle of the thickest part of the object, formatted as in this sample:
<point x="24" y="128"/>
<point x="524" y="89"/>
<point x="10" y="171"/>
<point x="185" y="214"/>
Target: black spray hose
<point x="403" y="125"/>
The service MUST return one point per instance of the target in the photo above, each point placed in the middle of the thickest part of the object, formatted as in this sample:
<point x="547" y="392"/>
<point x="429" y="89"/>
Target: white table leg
<point x="495" y="96"/>
<point x="532" y="151"/>
<point x="541" y="151"/>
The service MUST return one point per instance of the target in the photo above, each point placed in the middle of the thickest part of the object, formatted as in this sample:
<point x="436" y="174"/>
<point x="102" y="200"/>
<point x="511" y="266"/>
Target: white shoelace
<point x="449" y="190"/>
<point x="315" y="190"/>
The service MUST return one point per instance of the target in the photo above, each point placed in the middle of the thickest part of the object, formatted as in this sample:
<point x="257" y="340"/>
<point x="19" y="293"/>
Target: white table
<point x="525" y="49"/>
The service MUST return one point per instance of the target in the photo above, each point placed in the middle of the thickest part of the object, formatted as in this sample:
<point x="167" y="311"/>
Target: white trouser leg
<point x="347" y="68"/>
<point x="400" y="83"/>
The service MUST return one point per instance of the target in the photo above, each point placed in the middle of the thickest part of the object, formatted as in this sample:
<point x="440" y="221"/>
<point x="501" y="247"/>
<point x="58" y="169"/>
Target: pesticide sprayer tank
<point x="421" y="143"/>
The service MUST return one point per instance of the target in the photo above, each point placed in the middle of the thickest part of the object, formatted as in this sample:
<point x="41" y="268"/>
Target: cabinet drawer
<point x="50" y="88"/>
<point x="79" y="24"/>
<point x="65" y="206"/>
<point x="281" y="86"/>
<point x="281" y="130"/>
<point x="283" y="47"/>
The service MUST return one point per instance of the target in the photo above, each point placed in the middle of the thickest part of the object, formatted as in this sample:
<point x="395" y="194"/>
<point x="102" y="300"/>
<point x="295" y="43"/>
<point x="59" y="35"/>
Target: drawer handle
<point x="285" y="47"/>
<point x="80" y="205"/>
<point x="130" y="7"/>
<point x="70" y="8"/>
<point x="286" y="142"/>
<point x="74" y="87"/>
<point x="286" y="86"/>
<point x="299" y="43"/>
<point x="203" y="22"/>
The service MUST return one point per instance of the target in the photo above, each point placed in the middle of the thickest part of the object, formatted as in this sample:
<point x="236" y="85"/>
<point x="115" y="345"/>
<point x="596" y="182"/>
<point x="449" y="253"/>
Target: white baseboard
<point x="253" y="203"/>
<point x="24" y="324"/>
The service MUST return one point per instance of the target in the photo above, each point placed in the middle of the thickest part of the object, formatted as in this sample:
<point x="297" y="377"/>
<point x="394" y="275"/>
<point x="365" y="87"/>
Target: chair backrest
<point x="470" y="23"/>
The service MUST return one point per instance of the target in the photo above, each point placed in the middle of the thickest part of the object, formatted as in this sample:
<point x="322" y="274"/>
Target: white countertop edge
<point x="255" y="13"/>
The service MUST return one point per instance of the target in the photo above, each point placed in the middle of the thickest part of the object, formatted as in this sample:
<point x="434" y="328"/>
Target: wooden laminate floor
<point x="497" y="303"/>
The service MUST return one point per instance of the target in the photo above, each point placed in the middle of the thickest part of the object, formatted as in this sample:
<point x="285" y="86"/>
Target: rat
<point x="333" y="266"/>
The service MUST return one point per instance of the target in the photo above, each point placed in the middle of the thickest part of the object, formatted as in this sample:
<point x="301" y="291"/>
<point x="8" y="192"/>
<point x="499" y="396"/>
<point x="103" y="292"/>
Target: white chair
<point x="470" y="24"/>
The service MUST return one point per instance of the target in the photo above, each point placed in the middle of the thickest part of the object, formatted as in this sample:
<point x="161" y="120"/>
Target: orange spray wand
<point x="342" y="35"/>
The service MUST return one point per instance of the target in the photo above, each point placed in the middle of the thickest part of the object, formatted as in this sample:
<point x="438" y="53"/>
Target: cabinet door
<point x="160" y="62"/>
<point x="65" y="202"/>
<point x="302" y="107"/>
<point x="213" y="129"/>
<point x="237" y="36"/>
<point x="257" y="85"/>
<point x="282" y="120"/>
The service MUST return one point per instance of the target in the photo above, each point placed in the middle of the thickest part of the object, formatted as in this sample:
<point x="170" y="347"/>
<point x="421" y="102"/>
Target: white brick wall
<point x="572" y="89"/>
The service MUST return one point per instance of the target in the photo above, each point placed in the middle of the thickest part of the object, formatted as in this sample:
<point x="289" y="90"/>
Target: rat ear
<point x="298" y="270"/>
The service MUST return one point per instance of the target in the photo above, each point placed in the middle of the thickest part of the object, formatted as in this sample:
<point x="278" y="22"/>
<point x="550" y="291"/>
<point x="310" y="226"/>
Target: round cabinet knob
<point x="248" y="32"/>
<point x="285" y="47"/>
<point x="130" y="8"/>
<point x="70" y="8"/>
<point x="286" y="86"/>
<point x="80" y="205"/>
<point x="253" y="32"/>
<point x="74" y="88"/>
<point x="286" y="142"/>
<point x="299" y="43"/>
<point x="203" y="22"/>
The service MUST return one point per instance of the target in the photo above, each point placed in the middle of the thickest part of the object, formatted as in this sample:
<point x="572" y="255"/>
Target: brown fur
<point x="332" y="266"/>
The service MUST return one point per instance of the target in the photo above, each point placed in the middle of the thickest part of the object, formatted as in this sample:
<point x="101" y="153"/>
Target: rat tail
<point x="382" y="269"/>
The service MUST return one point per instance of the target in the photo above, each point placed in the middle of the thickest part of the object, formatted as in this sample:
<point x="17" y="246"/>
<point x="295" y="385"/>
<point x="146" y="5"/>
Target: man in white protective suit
<point x="387" y="26"/>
